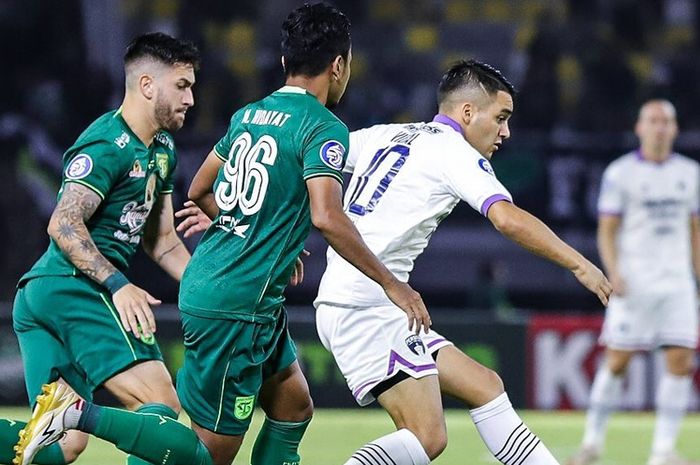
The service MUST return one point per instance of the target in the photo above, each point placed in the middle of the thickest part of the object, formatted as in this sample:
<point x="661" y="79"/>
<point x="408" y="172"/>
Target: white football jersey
<point x="655" y="202"/>
<point x="406" y="179"/>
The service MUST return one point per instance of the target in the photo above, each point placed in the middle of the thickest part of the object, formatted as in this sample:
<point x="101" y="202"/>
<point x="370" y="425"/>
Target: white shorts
<point x="372" y="344"/>
<point x="645" y="321"/>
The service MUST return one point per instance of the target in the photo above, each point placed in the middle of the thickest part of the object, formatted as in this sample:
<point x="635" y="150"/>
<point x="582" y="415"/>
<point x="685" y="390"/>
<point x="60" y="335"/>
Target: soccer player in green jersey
<point x="77" y="317"/>
<point x="276" y="171"/>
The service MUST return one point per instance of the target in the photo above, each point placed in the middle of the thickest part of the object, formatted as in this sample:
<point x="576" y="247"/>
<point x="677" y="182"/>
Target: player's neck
<point x="655" y="154"/>
<point x="316" y="86"/>
<point x="139" y="121"/>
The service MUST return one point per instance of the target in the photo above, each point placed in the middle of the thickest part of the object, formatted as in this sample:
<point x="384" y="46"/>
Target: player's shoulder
<point x="104" y="136"/>
<point x="622" y="163"/>
<point x="684" y="162"/>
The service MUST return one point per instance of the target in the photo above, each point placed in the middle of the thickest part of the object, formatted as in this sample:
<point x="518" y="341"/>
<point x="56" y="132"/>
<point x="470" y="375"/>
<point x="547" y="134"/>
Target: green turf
<point x="335" y="434"/>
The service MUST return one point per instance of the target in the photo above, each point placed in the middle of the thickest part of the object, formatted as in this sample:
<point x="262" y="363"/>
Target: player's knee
<point x="433" y="438"/>
<point x="73" y="444"/>
<point x="494" y="384"/>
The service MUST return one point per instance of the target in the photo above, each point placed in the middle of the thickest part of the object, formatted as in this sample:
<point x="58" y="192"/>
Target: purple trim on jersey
<point x="436" y="341"/>
<point x="609" y="213"/>
<point x="490" y="201"/>
<point x="444" y="119"/>
<point x="638" y="155"/>
<point x="356" y="392"/>
<point x="395" y="358"/>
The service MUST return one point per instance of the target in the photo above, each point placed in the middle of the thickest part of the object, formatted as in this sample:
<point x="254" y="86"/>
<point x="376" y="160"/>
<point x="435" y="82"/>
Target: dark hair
<point x="163" y="48"/>
<point x="312" y="36"/>
<point x="469" y="73"/>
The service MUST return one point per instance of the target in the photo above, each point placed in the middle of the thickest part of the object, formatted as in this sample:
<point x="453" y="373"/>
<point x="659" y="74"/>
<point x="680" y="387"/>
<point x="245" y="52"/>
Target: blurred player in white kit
<point x="406" y="179"/>
<point x="649" y="242"/>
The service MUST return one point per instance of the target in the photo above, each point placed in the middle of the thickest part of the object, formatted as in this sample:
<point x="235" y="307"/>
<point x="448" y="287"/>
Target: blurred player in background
<point x="649" y="241"/>
<point x="276" y="171"/>
<point x="406" y="179"/>
<point x="77" y="317"/>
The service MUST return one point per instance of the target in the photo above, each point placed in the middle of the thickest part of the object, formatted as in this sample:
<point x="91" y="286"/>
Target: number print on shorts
<point x="245" y="173"/>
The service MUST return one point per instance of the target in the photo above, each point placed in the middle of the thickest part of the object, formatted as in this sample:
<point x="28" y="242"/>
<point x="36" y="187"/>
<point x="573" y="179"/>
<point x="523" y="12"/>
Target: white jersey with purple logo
<point x="406" y="179"/>
<point x="655" y="202"/>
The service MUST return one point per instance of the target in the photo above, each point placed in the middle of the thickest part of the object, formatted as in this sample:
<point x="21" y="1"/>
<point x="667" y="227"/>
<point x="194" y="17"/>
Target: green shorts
<point x="67" y="327"/>
<point x="226" y="362"/>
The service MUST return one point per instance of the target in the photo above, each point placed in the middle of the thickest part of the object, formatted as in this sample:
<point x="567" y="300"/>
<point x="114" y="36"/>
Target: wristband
<point x="115" y="281"/>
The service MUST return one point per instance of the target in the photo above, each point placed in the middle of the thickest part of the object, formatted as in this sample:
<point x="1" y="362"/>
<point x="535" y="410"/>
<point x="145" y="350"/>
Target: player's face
<point x="657" y="127"/>
<point x="174" y="96"/>
<point x="488" y="124"/>
<point x="337" y="88"/>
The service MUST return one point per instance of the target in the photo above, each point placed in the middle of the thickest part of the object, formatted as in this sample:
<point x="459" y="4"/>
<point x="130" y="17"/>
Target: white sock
<point x="605" y="397"/>
<point x="401" y="447"/>
<point x="672" y="399"/>
<point x="507" y="437"/>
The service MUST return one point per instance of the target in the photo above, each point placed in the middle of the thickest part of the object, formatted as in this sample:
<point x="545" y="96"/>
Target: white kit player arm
<point x="611" y="205"/>
<point x="695" y="225"/>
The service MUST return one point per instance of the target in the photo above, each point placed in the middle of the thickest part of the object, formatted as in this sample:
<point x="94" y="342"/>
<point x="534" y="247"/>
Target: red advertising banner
<point x="563" y="355"/>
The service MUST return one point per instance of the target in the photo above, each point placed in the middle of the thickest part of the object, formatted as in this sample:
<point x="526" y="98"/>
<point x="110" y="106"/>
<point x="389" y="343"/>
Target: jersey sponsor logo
<point x="243" y="407"/>
<point x="165" y="140"/>
<point x="415" y="344"/>
<point x="79" y="167"/>
<point x="486" y="166"/>
<point x="332" y="154"/>
<point x="162" y="164"/>
<point x="122" y="140"/>
<point x="137" y="171"/>
<point x="135" y="214"/>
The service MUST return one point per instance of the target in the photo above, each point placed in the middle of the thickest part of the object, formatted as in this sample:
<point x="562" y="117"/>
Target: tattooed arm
<point x="67" y="227"/>
<point x="160" y="241"/>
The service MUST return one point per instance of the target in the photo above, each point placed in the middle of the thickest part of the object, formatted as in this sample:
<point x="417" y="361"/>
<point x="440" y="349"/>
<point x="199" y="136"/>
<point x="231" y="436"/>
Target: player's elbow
<point x="53" y="228"/>
<point x="197" y="191"/>
<point x="322" y="220"/>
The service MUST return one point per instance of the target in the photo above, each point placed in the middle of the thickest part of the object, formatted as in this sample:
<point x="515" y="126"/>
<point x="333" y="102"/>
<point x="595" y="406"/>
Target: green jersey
<point x="243" y="263"/>
<point x="128" y="176"/>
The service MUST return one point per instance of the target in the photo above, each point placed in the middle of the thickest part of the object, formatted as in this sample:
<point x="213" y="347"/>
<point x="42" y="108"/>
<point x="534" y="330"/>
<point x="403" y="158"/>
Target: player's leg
<point x="285" y="399"/>
<point x="500" y="427"/>
<point x="44" y="357"/>
<point x="672" y="398"/>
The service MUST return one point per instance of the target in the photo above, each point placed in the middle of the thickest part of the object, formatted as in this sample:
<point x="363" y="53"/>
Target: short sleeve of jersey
<point x="470" y="177"/>
<point x="611" y="200"/>
<point x="96" y="166"/>
<point x="325" y="151"/>
<point x="169" y="180"/>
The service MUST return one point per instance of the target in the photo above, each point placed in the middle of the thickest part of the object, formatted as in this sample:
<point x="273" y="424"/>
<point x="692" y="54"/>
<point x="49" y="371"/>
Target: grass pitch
<point x="335" y="434"/>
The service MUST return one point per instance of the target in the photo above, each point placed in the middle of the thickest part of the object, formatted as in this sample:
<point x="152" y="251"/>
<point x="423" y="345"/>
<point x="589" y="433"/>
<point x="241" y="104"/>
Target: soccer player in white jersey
<point x="649" y="241"/>
<point x="406" y="178"/>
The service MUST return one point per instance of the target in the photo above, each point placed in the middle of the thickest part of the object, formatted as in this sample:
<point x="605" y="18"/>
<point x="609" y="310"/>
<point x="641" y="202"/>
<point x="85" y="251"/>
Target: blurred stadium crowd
<point x="581" y="69"/>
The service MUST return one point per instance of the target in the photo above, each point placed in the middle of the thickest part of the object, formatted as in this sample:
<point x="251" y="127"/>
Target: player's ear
<point x="284" y="65"/>
<point x="467" y="112"/>
<point x="146" y="86"/>
<point x="337" y="68"/>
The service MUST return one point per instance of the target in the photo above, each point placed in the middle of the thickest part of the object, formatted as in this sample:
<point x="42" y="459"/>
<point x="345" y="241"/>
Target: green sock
<point x="158" y="409"/>
<point x="278" y="443"/>
<point x="9" y="434"/>
<point x="150" y="436"/>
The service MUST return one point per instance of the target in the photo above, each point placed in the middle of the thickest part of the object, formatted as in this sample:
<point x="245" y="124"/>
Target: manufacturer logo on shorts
<point x="79" y="167"/>
<point x="243" y="407"/>
<point x="332" y="154"/>
<point x="148" y="340"/>
<point x="415" y="343"/>
<point x="486" y="166"/>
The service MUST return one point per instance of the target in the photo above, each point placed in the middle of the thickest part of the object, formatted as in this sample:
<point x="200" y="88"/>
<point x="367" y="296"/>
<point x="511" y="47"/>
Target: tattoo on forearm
<point x="160" y="257"/>
<point x="76" y="206"/>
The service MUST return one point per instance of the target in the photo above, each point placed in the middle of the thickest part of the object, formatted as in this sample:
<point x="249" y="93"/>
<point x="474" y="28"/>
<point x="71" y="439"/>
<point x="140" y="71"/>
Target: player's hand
<point x="195" y="220"/>
<point x="298" y="274"/>
<point x="410" y="302"/>
<point x="594" y="280"/>
<point x="134" y="307"/>
<point x="618" y="284"/>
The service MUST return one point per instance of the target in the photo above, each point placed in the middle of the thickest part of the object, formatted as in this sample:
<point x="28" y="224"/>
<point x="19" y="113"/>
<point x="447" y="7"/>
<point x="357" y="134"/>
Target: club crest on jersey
<point x="332" y="154"/>
<point x="136" y="170"/>
<point x="415" y="343"/>
<point x="486" y="166"/>
<point x="79" y="167"/>
<point x="162" y="164"/>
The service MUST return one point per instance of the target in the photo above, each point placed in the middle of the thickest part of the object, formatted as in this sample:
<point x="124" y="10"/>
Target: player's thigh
<point x="465" y="379"/>
<point x="617" y="360"/>
<point x="284" y="395"/>
<point x="44" y="355"/>
<point x="222" y="373"/>
<point x="680" y="361"/>
<point x="145" y="382"/>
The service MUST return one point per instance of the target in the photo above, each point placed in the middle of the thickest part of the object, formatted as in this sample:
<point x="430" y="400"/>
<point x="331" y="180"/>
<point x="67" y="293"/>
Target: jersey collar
<point x="292" y="90"/>
<point x="444" y="119"/>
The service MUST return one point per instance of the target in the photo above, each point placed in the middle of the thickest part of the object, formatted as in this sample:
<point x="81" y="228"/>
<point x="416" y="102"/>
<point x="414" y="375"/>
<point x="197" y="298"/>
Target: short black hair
<point x="472" y="72"/>
<point x="312" y="36"/>
<point x="164" y="48"/>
